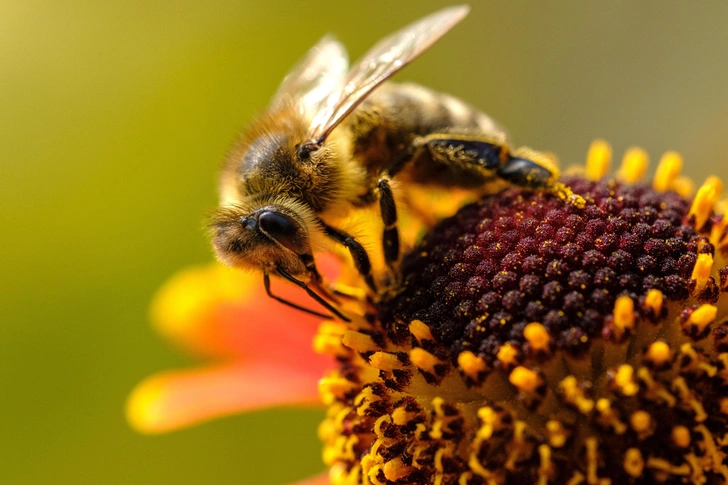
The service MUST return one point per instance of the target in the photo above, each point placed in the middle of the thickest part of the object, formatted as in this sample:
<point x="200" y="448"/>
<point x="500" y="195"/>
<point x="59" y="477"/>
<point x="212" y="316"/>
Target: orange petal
<point x="174" y="400"/>
<point x="215" y="311"/>
<point x="322" y="479"/>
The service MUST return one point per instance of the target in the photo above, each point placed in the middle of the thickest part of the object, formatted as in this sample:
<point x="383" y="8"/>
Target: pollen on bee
<point x="598" y="160"/>
<point x="668" y="170"/>
<point x="634" y="165"/>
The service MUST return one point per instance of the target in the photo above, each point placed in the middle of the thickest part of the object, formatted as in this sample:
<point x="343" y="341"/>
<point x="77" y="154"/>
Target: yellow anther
<point x="658" y="353"/>
<point x="400" y="416"/>
<point x="574" y="394"/>
<point x="634" y="165"/>
<point x="396" y="469"/>
<point x="420" y="330"/>
<point x="653" y="301"/>
<point x="667" y="171"/>
<point x="723" y="404"/>
<point x="681" y="436"/>
<point x="424" y="360"/>
<point x="704" y="201"/>
<point x="623" y="315"/>
<point x="507" y="354"/>
<point x="546" y="468"/>
<point x="471" y="364"/>
<point x="537" y="336"/>
<point x="640" y="421"/>
<point x="623" y="378"/>
<point x="334" y="386"/>
<point x="701" y="271"/>
<point x="557" y="433"/>
<point x="703" y="316"/>
<point x="358" y="341"/>
<point x="634" y="464"/>
<point x="386" y="361"/>
<point x="525" y="379"/>
<point x="598" y="159"/>
<point x="592" y="459"/>
<point x="684" y="187"/>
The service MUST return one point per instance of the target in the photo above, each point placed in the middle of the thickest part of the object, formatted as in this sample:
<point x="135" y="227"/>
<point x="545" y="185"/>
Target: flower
<point x="529" y="341"/>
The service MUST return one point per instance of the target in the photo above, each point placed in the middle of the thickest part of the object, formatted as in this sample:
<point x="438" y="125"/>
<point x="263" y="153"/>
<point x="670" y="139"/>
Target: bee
<point x="332" y="140"/>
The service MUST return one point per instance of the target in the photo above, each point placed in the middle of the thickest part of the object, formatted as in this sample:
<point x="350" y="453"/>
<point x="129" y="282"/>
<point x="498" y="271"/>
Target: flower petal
<point x="214" y="311"/>
<point x="174" y="400"/>
<point x="322" y="479"/>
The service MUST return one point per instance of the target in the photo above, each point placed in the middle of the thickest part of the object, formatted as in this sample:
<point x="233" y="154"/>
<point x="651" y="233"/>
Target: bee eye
<point x="281" y="228"/>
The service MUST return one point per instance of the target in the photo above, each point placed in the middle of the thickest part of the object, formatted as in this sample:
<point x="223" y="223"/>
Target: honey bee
<point x="332" y="140"/>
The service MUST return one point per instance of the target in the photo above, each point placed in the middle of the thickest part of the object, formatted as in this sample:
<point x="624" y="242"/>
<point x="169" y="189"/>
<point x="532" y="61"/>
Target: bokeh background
<point x="114" y="117"/>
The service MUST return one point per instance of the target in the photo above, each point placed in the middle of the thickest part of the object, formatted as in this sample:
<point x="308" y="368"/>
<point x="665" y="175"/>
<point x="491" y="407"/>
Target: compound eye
<point x="282" y="228"/>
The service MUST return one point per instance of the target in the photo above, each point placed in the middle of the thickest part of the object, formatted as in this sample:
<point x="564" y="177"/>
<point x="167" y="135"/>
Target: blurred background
<point x="114" y="117"/>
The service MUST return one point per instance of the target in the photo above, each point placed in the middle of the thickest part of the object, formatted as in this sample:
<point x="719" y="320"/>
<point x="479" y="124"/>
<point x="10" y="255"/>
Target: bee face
<point x="267" y="238"/>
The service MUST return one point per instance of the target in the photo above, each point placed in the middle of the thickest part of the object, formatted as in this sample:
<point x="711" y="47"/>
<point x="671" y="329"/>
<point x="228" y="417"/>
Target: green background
<point x="113" y="119"/>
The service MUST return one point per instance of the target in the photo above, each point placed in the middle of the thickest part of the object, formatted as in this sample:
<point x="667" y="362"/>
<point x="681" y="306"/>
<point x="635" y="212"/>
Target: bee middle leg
<point x="358" y="253"/>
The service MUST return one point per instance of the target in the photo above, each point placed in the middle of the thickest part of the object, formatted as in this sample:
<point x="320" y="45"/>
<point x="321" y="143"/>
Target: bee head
<point x="273" y="236"/>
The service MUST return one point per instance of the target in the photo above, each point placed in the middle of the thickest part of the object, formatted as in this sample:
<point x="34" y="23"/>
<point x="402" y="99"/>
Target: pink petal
<point x="174" y="400"/>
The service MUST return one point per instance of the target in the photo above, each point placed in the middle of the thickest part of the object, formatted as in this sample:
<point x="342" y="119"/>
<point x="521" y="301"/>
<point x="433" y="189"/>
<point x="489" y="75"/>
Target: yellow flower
<point x="530" y="342"/>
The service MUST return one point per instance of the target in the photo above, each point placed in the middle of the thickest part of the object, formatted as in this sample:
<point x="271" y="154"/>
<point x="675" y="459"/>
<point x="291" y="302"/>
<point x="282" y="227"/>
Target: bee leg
<point x="530" y="172"/>
<point x="311" y="293"/>
<point x="388" y="208"/>
<point x="357" y="251"/>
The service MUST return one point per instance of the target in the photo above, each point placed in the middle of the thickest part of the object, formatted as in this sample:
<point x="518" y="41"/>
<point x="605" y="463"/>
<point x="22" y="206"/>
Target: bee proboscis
<point x="331" y="141"/>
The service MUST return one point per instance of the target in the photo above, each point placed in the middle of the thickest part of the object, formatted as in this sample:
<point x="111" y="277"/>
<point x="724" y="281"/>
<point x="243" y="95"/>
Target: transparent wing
<point x="379" y="64"/>
<point x="315" y="77"/>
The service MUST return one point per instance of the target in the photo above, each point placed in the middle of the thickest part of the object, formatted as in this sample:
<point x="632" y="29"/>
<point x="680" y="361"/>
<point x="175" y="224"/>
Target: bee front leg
<point x="358" y="253"/>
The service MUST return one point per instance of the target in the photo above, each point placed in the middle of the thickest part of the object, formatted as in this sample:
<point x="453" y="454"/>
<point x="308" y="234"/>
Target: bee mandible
<point x="332" y="140"/>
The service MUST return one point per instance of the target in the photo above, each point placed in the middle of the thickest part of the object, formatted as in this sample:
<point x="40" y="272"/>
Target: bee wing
<point x="382" y="61"/>
<point x="315" y="77"/>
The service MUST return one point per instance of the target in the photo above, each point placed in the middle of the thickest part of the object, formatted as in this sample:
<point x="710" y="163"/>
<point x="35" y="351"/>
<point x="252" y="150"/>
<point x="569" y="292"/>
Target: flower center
<point x="536" y="342"/>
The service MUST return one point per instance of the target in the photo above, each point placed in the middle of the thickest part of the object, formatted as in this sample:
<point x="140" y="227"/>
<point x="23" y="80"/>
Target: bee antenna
<point x="306" y="149"/>
<point x="311" y="293"/>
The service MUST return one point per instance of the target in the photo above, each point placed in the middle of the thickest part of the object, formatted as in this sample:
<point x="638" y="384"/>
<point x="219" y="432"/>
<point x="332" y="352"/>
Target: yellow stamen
<point x="396" y="469"/>
<point x="592" y="457"/>
<point x="633" y="464"/>
<point x="640" y="422"/>
<point x="624" y="380"/>
<point x="724" y="405"/>
<point x="623" y="315"/>
<point x="471" y="364"/>
<point x="667" y="171"/>
<point x="507" y="355"/>
<point x="705" y="200"/>
<point x="658" y="353"/>
<point x="653" y="301"/>
<point x="358" y="341"/>
<point x="598" y="159"/>
<point x="703" y="316"/>
<point x="634" y="165"/>
<point x="574" y="394"/>
<point x="701" y="271"/>
<point x="684" y="186"/>
<point x="328" y="339"/>
<point x="537" y="336"/>
<point x="681" y="436"/>
<point x="386" y="361"/>
<point x="525" y="379"/>
<point x="557" y="433"/>
<point x="424" y="360"/>
<point x="420" y="330"/>
<point x="609" y="417"/>
<point x="332" y="387"/>
<point x="546" y="468"/>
